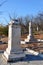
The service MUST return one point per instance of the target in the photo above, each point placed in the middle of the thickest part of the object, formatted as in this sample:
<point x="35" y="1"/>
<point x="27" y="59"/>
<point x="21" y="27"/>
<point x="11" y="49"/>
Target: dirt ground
<point x="34" y="46"/>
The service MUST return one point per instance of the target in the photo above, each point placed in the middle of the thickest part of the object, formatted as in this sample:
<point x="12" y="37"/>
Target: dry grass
<point x="3" y="46"/>
<point x="33" y="45"/>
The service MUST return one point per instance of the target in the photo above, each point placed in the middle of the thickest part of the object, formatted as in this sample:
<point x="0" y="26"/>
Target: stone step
<point x="22" y="42"/>
<point x="26" y="40"/>
<point x="40" y="40"/>
<point x="28" y="36"/>
<point x="32" y="51"/>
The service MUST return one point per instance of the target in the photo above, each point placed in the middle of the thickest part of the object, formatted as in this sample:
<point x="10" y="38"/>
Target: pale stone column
<point x="14" y="50"/>
<point x="37" y="28"/>
<point x="30" y="30"/>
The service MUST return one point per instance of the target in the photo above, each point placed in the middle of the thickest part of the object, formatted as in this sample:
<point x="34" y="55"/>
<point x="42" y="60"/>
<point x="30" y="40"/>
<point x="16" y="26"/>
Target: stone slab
<point x="31" y="60"/>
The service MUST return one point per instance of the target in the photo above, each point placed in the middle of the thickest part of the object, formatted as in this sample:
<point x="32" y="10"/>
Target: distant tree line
<point x="37" y="21"/>
<point x="4" y="30"/>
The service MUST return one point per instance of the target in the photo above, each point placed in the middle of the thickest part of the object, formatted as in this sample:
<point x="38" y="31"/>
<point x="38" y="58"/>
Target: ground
<point x="29" y="60"/>
<point x="35" y="46"/>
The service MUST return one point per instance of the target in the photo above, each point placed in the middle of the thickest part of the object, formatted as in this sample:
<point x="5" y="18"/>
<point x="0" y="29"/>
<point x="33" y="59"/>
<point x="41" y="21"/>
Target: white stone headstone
<point x="37" y="28"/>
<point x="30" y="32"/>
<point x="30" y="37"/>
<point x="30" y="29"/>
<point x="14" y="36"/>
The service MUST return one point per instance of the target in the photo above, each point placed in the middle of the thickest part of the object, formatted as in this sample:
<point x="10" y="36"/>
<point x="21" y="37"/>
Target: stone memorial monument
<point x="14" y="51"/>
<point x="30" y="38"/>
<point x="37" y="28"/>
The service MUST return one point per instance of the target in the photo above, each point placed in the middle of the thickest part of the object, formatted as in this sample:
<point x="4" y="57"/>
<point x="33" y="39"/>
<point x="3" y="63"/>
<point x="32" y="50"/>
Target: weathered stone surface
<point x="14" y="50"/>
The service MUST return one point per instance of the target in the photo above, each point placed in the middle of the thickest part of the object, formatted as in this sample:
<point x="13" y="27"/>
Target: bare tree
<point x="2" y="3"/>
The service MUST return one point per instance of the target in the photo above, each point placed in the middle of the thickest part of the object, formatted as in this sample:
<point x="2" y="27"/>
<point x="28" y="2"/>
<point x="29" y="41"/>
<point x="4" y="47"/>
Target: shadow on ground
<point x="28" y="58"/>
<point x="33" y="57"/>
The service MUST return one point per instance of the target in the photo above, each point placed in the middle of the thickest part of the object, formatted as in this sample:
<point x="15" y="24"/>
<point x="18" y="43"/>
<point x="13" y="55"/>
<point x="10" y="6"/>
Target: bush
<point x="36" y="32"/>
<point x="4" y="30"/>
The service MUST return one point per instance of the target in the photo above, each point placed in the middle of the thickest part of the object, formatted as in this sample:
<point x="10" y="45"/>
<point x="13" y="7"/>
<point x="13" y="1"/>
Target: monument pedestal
<point x="30" y="39"/>
<point x="14" y="51"/>
<point x="13" y="56"/>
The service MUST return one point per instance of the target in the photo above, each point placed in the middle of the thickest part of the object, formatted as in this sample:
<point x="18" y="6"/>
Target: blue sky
<point x="19" y="8"/>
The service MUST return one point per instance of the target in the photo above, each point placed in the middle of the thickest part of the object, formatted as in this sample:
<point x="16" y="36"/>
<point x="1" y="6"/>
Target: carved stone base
<point x="13" y="56"/>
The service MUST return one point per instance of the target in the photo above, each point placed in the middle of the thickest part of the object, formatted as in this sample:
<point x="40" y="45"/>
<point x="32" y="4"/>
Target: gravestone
<point x="37" y="28"/>
<point x="30" y="37"/>
<point x="14" y="51"/>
